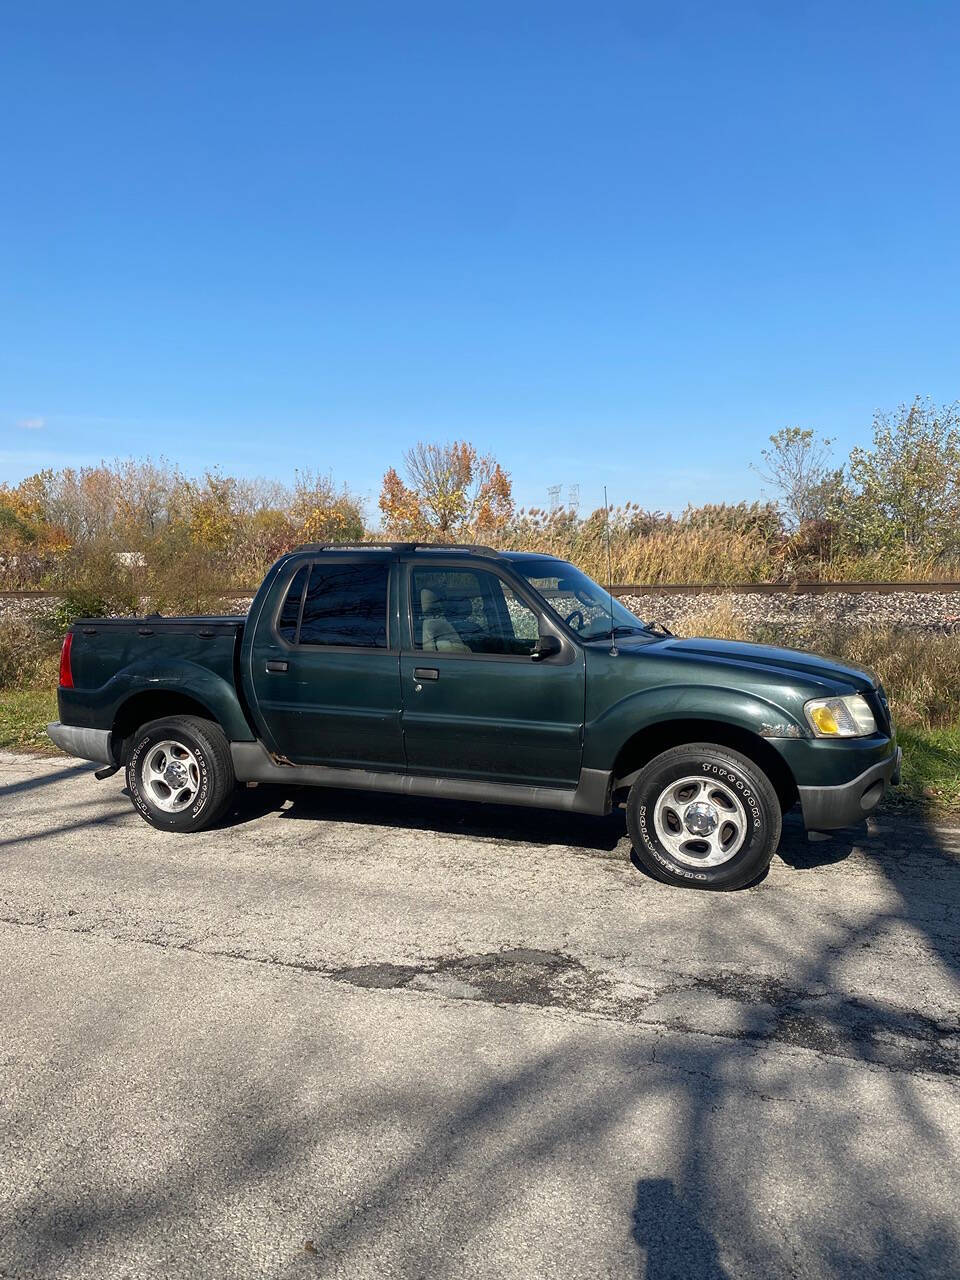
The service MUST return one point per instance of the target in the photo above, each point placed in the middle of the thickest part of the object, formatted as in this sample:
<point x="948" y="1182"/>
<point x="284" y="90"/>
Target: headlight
<point x="848" y="717"/>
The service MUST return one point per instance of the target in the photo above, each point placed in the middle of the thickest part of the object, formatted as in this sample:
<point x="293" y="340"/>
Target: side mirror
<point x="546" y="647"/>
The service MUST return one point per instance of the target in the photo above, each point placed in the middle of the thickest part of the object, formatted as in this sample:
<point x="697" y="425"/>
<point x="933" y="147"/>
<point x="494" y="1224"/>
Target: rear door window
<point x="345" y="606"/>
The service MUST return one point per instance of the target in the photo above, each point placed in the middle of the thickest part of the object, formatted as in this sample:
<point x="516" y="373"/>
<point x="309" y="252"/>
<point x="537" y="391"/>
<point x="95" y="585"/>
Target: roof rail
<point x="404" y="548"/>
<point x="475" y="548"/>
<point x="356" y="546"/>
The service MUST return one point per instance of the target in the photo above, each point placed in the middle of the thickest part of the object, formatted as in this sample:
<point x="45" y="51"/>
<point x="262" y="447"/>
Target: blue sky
<point x="611" y="243"/>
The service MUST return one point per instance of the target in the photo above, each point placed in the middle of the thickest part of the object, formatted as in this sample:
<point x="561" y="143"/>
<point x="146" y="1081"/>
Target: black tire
<point x="747" y="783"/>
<point x="206" y="748"/>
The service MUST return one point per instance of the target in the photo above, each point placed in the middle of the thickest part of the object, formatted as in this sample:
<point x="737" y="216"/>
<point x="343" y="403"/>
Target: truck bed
<point x="145" y="649"/>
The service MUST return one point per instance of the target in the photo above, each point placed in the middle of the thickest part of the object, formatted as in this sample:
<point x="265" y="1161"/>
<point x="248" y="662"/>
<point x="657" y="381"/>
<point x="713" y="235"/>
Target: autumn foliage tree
<point x="144" y="525"/>
<point x="904" y="492"/>
<point x="451" y="493"/>
<point x="797" y="466"/>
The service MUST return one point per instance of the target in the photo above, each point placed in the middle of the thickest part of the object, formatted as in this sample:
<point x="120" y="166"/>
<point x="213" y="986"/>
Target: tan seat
<point x="439" y="633"/>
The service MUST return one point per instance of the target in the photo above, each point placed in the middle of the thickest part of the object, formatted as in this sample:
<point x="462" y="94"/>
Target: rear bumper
<point x="88" y="744"/>
<point x="826" y="808"/>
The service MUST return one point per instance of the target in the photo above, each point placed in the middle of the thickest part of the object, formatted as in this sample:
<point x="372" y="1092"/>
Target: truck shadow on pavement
<point x="446" y="817"/>
<point x="578" y="832"/>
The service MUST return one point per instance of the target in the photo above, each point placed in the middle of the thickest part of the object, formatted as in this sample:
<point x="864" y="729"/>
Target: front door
<point x="475" y="703"/>
<point x="325" y="666"/>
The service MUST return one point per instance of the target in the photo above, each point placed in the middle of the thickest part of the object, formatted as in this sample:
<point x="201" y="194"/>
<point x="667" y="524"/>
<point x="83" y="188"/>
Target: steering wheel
<point x="569" y="619"/>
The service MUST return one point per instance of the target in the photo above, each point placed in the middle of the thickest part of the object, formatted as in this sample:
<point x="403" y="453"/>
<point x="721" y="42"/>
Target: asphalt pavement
<point x="355" y="1036"/>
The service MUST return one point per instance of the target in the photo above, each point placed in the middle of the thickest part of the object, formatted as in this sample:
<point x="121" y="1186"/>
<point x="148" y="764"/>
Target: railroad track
<point x="785" y="588"/>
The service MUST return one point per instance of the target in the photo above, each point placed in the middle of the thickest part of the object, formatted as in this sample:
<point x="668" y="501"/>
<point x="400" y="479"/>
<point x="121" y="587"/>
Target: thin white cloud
<point x="32" y="424"/>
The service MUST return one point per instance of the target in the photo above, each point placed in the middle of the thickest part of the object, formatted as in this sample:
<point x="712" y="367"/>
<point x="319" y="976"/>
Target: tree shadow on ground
<point x="721" y="1157"/>
<point x="44" y="779"/>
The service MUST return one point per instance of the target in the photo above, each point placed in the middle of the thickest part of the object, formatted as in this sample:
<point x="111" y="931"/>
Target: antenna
<point x="606" y="522"/>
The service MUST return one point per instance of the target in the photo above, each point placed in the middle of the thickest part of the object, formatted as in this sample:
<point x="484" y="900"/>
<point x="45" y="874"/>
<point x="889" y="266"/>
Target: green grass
<point x="24" y="716"/>
<point x="931" y="757"/>
<point x="931" y="768"/>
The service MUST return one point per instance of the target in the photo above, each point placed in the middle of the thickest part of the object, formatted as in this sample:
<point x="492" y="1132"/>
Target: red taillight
<point x="66" y="674"/>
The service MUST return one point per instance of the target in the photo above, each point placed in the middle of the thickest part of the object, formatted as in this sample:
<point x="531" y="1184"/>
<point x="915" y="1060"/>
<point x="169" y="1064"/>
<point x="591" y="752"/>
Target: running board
<point x="253" y="763"/>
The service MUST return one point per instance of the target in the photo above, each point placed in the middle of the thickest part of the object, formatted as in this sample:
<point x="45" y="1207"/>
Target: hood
<point x="784" y="663"/>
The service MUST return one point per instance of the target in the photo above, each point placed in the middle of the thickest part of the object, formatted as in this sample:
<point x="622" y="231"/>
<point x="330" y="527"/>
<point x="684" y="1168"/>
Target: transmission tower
<point x="573" y="498"/>
<point x="553" y="494"/>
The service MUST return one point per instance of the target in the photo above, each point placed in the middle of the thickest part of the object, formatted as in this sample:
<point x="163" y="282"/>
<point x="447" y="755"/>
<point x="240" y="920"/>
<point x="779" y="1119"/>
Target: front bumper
<point x="88" y="744"/>
<point x="826" y="808"/>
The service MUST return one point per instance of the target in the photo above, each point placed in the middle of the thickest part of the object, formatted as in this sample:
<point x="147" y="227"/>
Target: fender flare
<point x="606" y="736"/>
<point x="187" y="678"/>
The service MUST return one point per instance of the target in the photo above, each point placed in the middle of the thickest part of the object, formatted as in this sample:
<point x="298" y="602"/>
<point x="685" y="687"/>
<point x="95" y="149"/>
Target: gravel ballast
<point x="912" y="610"/>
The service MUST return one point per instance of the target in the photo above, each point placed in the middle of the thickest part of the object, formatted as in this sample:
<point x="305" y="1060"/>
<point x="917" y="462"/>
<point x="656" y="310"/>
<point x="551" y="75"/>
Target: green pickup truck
<point x="471" y="674"/>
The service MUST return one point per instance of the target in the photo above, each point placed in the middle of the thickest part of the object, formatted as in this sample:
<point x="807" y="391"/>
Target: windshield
<point x="581" y="602"/>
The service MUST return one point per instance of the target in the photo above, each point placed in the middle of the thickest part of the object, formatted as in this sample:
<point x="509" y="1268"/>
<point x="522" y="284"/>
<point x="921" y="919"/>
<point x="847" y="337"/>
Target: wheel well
<point x="643" y="746"/>
<point x="152" y="705"/>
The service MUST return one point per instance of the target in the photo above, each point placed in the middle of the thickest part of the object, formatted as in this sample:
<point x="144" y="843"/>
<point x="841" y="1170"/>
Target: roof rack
<point x="475" y="548"/>
<point x="404" y="548"/>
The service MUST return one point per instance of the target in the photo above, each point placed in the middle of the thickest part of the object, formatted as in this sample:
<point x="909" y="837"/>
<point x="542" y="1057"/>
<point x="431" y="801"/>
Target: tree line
<point x="129" y="529"/>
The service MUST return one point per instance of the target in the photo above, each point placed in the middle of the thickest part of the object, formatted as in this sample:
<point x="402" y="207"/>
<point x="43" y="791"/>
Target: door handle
<point x="274" y="665"/>
<point x="426" y="673"/>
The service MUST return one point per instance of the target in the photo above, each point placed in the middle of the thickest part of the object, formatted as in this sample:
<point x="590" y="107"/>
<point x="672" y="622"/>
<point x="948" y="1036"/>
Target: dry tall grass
<point x="669" y="553"/>
<point x="744" y="543"/>
<point x="29" y="654"/>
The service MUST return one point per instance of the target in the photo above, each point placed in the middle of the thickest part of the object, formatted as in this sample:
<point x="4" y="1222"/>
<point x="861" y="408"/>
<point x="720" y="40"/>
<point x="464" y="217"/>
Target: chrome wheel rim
<point x="170" y="776"/>
<point x="700" y="822"/>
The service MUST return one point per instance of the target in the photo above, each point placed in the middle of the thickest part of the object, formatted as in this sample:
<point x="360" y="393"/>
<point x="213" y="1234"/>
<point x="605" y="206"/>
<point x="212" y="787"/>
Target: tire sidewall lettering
<point x="746" y="792"/>
<point x="744" y="789"/>
<point x="654" y="849"/>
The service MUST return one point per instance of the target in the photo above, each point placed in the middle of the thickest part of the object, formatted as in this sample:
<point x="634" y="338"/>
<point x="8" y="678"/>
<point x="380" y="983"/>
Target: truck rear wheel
<point x="705" y="816"/>
<point x="180" y="773"/>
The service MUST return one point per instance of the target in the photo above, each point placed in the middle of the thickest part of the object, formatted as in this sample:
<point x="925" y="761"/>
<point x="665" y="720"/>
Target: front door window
<point x="470" y="611"/>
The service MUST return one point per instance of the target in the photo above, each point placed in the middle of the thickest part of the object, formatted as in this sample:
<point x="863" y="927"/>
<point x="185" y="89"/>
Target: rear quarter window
<point x="290" y="613"/>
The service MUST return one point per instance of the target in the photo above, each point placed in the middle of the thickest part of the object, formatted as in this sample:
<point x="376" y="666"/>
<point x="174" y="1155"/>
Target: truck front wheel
<point x="705" y="816"/>
<point x="180" y="773"/>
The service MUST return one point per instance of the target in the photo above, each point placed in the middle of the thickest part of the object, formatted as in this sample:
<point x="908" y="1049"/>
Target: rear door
<point x="325" y="664"/>
<point x="475" y="703"/>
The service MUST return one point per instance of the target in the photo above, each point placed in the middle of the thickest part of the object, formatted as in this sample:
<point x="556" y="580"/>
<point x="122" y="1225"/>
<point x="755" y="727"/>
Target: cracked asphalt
<point x="355" y="1036"/>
